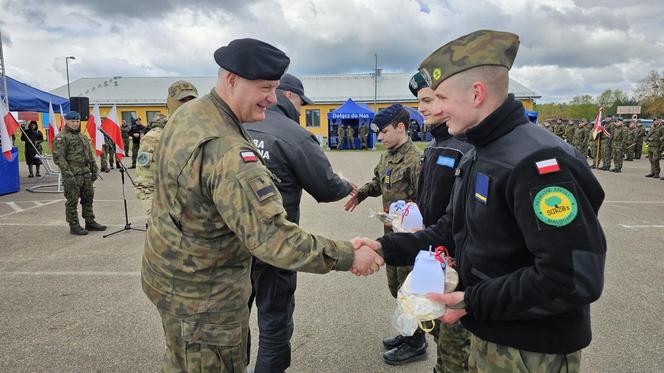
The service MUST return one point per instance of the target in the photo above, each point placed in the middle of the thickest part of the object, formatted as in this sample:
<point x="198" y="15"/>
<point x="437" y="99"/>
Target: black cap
<point x="416" y="83"/>
<point x="387" y="116"/>
<point x="290" y="83"/>
<point x="252" y="59"/>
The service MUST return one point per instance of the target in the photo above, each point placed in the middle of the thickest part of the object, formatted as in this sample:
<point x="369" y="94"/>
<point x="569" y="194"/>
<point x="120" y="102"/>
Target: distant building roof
<point x="321" y="89"/>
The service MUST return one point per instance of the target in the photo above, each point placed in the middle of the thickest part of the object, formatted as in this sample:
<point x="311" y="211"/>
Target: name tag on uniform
<point x="445" y="161"/>
<point x="482" y="188"/>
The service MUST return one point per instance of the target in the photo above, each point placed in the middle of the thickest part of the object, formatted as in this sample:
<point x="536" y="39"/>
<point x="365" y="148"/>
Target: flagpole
<point x="597" y="155"/>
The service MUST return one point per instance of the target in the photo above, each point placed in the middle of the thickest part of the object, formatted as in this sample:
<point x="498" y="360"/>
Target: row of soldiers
<point x="348" y="132"/>
<point x="616" y="143"/>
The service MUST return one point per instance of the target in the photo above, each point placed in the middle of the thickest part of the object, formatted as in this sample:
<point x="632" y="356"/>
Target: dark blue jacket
<point x="294" y="155"/>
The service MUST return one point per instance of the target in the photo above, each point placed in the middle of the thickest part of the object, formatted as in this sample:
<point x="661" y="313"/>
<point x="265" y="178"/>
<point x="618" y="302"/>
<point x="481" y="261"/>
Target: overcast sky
<point x="568" y="47"/>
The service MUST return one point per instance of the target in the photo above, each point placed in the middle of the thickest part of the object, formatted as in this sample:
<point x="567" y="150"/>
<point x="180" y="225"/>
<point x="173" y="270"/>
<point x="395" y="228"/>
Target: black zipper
<point x="465" y="211"/>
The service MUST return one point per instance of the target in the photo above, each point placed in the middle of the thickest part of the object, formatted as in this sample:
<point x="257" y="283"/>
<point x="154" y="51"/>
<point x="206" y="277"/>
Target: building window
<point x="151" y="115"/>
<point x="129" y="117"/>
<point x="312" y="117"/>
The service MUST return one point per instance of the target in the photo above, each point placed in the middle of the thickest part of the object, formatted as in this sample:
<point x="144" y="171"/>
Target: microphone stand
<point x="122" y="170"/>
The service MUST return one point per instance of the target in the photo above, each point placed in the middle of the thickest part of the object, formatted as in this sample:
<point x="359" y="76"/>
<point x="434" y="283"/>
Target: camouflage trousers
<point x="593" y="152"/>
<point x="107" y="156"/>
<point x="395" y="277"/>
<point x="638" y="149"/>
<point x="363" y="143"/>
<point x="605" y="153"/>
<point x="618" y="155"/>
<point x="654" y="154"/>
<point x="340" y="142"/>
<point x="201" y="343"/>
<point x="134" y="152"/>
<point x="487" y="357"/>
<point x="629" y="152"/>
<point x="127" y="145"/>
<point x="78" y="187"/>
<point x="453" y="341"/>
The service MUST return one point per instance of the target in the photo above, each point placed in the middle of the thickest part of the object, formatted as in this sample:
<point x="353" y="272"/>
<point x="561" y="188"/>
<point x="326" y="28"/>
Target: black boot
<point x="94" y="226"/>
<point x="37" y="167"/>
<point x="393" y="342"/>
<point x="77" y="230"/>
<point x="30" y="170"/>
<point x="414" y="349"/>
<point x="650" y="175"/>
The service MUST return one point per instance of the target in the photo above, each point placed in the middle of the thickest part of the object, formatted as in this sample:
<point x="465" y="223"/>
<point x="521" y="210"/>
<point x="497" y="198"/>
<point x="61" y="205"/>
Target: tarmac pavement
<point x="75" y="304"/>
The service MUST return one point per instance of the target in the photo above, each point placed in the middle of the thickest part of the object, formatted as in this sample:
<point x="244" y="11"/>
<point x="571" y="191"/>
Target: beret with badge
<point x="252" y="59"/>
<point x="479" y="48"/>
<point x="73" y="115"/>
<point x="416" y="83"/>
<point x="387" y="116"/>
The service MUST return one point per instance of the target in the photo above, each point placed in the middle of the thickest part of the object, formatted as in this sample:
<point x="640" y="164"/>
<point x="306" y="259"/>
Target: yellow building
<point x="143" y="97"/>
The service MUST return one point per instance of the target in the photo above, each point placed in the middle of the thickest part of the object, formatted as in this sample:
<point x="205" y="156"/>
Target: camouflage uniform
<point x="215" y="207"/>
<point x="124" y="129"/>
<point x="655" y="140"/>
<point x="580" y="139"/>
<point x="559" y="129"/>
<point x="640" y="135"/>
<point x="364" y="135"/>
<point x="605" y="150"/>
<point x="108" y="154"/>
<point x="350" y="133"/>
<point x="341" y="134"/>
<point x="618" y="140"/>
<point x="487" y="357"/>
<point x="395" y="178"/>
<point x="73" y="154"/>
<point x="569" y="132"/>
<point x="146" y="162"/>
<point x="630" y="143"/>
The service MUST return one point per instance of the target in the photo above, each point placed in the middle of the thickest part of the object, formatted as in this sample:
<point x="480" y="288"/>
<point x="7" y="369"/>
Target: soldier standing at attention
<point x="605" y="147"/>
<point x="107" y="157"/>
<point x="178" y="93"/>
<point x="569" y="132"/>
<point x="630" y="141"/>
<point x="136" y="132"/>
<point x="395" y="178"/>
<point x="341" y="134"/>
<point x="559" y="129"/>
<point x="655" y="140"/>
<point x="618" y="140"/>
<point x="124" y="129"/>
<point x="73" y="154"/>
<point x="364" y="135"/>
<point x="215" y="207"/>
<point x="350" y="135"/>
<point x="640" y="135"/>
<point x="580" y="138"/>
<point x="522" y="223"/>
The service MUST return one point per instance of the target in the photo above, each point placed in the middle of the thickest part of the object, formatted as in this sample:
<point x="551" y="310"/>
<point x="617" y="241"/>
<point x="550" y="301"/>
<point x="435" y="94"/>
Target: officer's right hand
<point x="366" y="261"/>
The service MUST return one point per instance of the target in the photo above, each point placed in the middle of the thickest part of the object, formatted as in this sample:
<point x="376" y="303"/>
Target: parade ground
<point x="75" y="304"/>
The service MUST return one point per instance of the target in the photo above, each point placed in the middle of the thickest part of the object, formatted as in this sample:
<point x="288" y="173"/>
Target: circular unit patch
<point x="143" y="159"/>
<point x="437" y="73"/>
<point x="555" y="206"/>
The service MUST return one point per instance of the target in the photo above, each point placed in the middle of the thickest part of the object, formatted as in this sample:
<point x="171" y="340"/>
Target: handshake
<point x="367" y="261"/>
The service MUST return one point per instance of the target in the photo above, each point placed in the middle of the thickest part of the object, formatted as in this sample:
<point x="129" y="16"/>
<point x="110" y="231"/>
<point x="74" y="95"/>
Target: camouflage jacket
<point x="145" y="164"/>
<point x="581" y="135"/>
<point x="341" y="132"/>
<point x="569" y="134"/>
<point x="124" y="129"/>
<point x="215" y="206"/>
<point x="350" y="131"/>
<point x="641" y="133"/>
<point x="73" y="153"/>
<point x="656" y="136"/>
<point x="395" y="176"/>
<point x="619" y="136"/>
<point x="364" y="131"/>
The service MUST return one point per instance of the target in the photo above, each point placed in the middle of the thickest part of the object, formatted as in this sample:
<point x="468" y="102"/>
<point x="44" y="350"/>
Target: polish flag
<point x="53" y="129"/>
<point x="11" y="123"/>
<point x="62" y="119"/>
<point x="94" y="124"/>
<point x="547" y="166"/>
<point x="5" y="124"/>
<point x="599" y="127"/>
<point x="111" y="127"/>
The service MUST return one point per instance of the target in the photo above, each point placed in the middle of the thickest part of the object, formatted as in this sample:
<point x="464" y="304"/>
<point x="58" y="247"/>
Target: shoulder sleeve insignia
<point x="555" y="206"/>
<point x="143" y="159"/>
<point x="482" y="188"/>
<point x="547" y="166"/>
<point x="248" y="156"/>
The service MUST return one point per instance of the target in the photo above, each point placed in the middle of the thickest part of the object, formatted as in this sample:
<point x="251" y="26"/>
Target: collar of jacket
<point x="440" y="132"/>
<point x="503" y="120"/>
<point x="399" y="152"/>
<point x="285" y="107"/>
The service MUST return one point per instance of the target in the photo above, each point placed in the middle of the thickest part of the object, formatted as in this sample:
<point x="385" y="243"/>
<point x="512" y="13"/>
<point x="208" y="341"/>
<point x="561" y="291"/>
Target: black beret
<point x="252" y="59"/>
<point x="416" y="83"/>
<point x="387" y="116"/>
<point x="73" y="115"/>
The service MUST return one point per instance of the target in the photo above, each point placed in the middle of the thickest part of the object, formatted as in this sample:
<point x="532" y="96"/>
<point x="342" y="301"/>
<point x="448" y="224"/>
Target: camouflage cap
<point x="182" y="89"/>
<point x="158" y="117"/>
<point x="479" y="48"/>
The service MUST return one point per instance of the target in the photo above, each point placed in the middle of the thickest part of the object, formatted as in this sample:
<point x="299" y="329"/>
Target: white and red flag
<point x="111" y="127"/>
<point x="94" y="124"/>
<point x="7" y="124"/>
<point x="599" y="127"/>
<point x="53" y="129"/>
<point x="547" y="166"/>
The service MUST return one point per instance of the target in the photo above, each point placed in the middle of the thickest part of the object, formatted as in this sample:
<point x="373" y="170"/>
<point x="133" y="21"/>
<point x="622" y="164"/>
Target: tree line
<point x="649" y="94"/>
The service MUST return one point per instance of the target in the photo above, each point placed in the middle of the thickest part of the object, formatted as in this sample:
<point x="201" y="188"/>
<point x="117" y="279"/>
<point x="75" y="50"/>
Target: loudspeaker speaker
<point x="81" y="105"/>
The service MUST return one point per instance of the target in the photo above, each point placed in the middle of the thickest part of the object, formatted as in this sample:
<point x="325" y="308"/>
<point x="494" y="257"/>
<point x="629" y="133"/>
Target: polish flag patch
<point x="248" y="156"/>
<point x="547" y="166"/>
